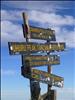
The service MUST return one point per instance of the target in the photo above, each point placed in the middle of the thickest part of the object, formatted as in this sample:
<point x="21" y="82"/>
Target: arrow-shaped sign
<point x="42" y="76"/>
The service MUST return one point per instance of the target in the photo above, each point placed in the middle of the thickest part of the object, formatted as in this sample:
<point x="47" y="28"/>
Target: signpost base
<point x="51" y="95"/>
<point x="35" y="90"/>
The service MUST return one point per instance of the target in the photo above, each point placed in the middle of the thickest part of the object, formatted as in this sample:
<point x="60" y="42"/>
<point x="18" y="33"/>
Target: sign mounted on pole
<point x="39" y="60"/>
<point x="31" y="32"/>
<point x="39" y="33"/>
<point x="33" y="86"/>
<point x="22" y="47"/>
<point x="43" y="77"/>
<point x="41" y="57"/>
<point x="26" y="50"/>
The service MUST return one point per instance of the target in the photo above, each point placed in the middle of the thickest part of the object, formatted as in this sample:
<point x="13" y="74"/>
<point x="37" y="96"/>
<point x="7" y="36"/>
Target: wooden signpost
<point x="30" y="61"/>
<point x="37" y="60"/>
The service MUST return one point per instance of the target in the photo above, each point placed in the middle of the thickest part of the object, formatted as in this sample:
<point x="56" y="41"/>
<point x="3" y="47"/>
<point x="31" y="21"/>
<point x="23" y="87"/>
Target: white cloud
<point x="51" y="18"/>
<point x="64" y="35"/>
<point x="66" y="94"/>
<point x="11" y="31"/>
<point x="38" y="16"/>
<point x="10" y="15"/>
<point x="16" y="95"/>
<point x="7" y="72"/>
<point x="45" y="6"/>
<point x="62" y="94"/>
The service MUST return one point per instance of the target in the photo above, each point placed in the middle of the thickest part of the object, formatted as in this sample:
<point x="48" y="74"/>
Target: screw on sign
<point x="30" y="61"/>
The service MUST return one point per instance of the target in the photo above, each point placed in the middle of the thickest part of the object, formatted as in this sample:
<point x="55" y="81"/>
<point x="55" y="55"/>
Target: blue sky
<point x="48" y="14"/>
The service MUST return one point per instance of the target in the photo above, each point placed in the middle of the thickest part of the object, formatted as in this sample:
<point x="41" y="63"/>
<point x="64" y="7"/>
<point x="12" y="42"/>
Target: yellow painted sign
<point x="22" y="47"/>
<point x="43" y="77"/>
<point x="41" y="30"/>
<point x="41" y="57"/>
<point x="36" y="72"/>
<point x="36" y="32"/>
<point x="39" y="60"/>
<point x="41" y="33"/>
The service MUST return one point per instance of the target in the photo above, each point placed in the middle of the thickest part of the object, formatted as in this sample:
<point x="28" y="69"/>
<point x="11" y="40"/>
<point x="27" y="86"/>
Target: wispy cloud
<point x="7" y="72"/>
<point x="62" y="94"/>
<point x="64" y="35"/>
<point x="10" y="15"/>
<point x="51" y="18"/>
<point x="66" y="94"/>
<point x="16" y="95"/>
<point x="45" y="6"/>
<point x="11" y="31"/>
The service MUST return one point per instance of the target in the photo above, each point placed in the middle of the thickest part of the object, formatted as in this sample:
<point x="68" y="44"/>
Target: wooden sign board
<point x="22" y="47"/>
<point x="43" y="77"/>
<point x="36" y="32"/>
<point x="39" y="60"/>
<point x="41" y="57"/>
<point x="39" y="33"/>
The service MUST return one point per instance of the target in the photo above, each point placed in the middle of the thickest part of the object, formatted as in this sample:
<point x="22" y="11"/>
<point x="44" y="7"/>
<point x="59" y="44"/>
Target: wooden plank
<point x="22" y="47"/>
<point x="41" y="57"/>
<point x="36" y="32"/>
<point x="39" y="60"/>
<point x="39" y="33"/>
<point x="43" y="77"/>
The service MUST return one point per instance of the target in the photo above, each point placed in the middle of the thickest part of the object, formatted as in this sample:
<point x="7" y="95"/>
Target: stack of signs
<point x="29" y="61"/>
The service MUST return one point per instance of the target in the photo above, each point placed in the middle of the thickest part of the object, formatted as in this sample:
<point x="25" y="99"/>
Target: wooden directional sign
<point x="41" y="57"/>
<point x="22" y="47"/>
<point x="42" y="76"/>
<point x="36" y="32"/>
<point x="39" y="33"/>
<point x="39" y="60"/>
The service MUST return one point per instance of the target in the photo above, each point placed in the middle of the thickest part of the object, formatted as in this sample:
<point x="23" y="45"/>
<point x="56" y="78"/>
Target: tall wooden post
<point x="49" y="71"/>
<point x="34" y="85"/>
<point x="51" y="93"/>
